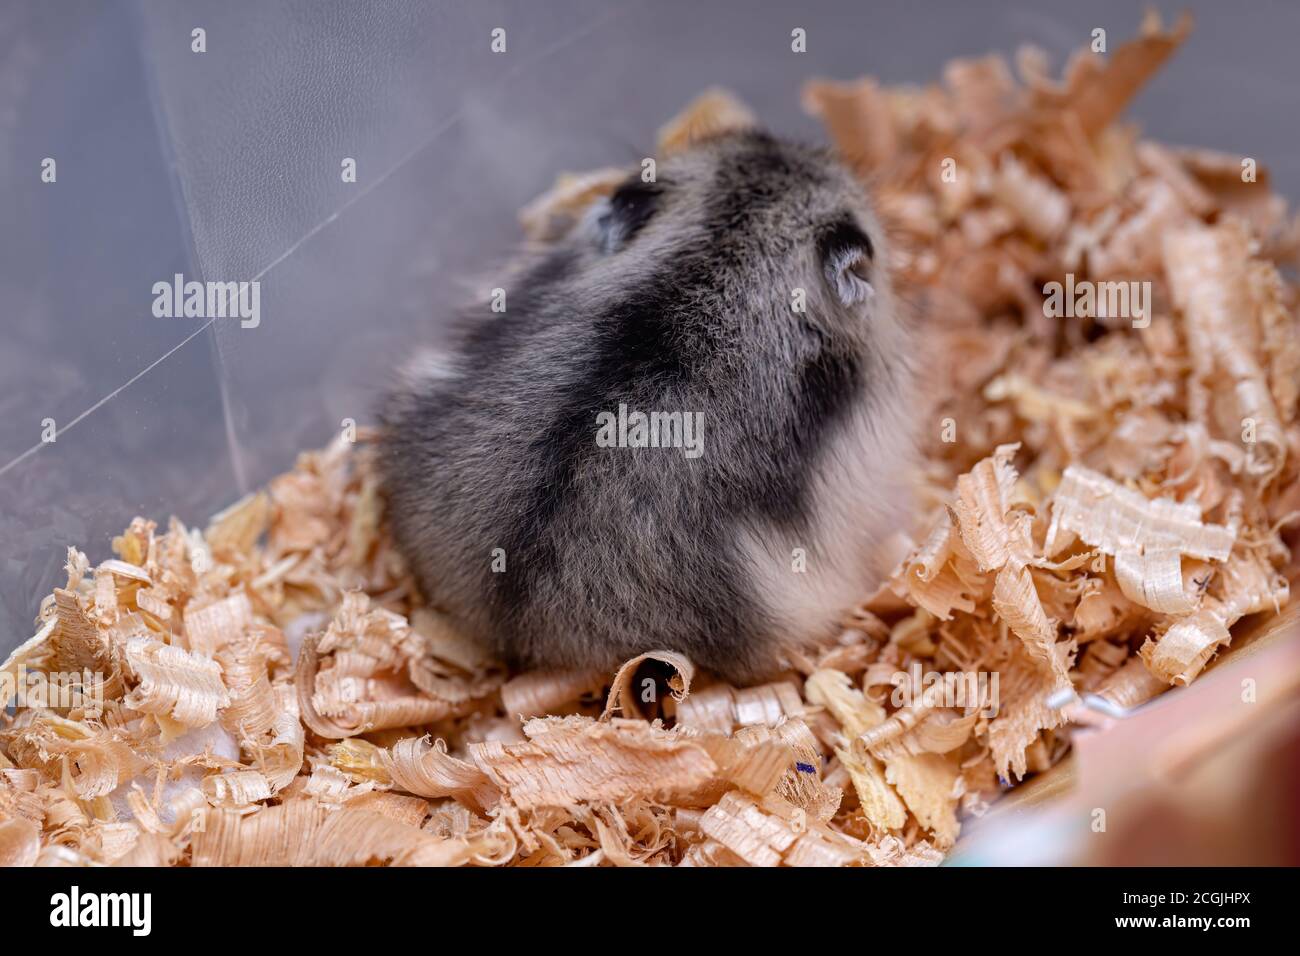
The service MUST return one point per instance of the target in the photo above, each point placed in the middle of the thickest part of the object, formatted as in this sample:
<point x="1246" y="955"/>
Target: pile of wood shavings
<point x="275" y="693"/>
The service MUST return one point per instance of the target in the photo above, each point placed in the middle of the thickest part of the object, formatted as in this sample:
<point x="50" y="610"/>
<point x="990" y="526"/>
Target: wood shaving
<point x="570" y="759"/>
<point x="712" y="113"/>
<point x="427" y="770"/>
<point x="628" y="699"/>
<point x="1115" y="519"/>
<point x="171" y="681"/>
<point x="1103" y="501"/>
<point x="538" y="693"/>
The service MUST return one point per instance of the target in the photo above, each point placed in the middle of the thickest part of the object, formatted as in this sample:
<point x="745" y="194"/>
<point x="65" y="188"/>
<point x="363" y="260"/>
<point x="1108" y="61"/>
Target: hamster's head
<point x="752" y="230"/>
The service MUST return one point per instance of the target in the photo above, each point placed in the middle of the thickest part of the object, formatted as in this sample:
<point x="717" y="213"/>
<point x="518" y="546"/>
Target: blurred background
<point x="225" y="165"/>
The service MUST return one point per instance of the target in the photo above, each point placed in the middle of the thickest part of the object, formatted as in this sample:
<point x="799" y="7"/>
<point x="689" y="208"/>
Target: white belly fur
<point x="861" y="496"/>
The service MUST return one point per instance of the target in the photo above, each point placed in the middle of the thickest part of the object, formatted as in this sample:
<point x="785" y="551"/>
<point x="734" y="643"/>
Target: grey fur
<point x="675" y="297"/>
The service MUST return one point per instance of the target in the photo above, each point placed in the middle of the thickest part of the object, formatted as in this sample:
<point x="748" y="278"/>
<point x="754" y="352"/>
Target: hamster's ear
<point x="615" y="220"/>
<point x="848" y="259"/>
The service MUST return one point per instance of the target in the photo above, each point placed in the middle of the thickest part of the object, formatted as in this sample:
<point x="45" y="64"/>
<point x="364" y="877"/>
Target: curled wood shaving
<point x="942" y="731"/>
<point x="771" y="832"/>
<point x="253" y="703"/>
<point x="96" y="760"/>
<point x="801" y="785"/>
<point x="240" y="788"/>
<point x="1132" y="684"/>
<point x="860" y="119"/>
<point x="281" y="758"/>
<point x="983" y="497"/>
<point x="211" y="627"/>
<point x="174" y="683"/>
<point x="359" y="760"/>
<point x="1026" y="688"/>
<point x="1097" y="94"/>
<point x="76" y="645"/>
<point x="1016" y="601"/>
<point x="722" y="708"/>
<point x="1208" y="278"/>
<point x="710" y="853"/>
<point x="712" y="113"/>
<point x="626" y="699"/>
<point x="371" y="679"/>
<point x="756" y="765"/>
<point x="1154" y="579"/>
<point x="1041" y="207"/>
<point x="740" y="824"/>
<point x="536" y="693"/>
<point x="237" y="529"/>
<point x="304" y="833"/>
<point x="1183" y="650"/>
<point x="396" y="806"/>
<point x="427" y="770"/>
<point x="305" y="682"/>
<point x="1113" y="518"/>
<point x="571" y="759"/>
<point x="927" y="784"/>
<point x="857" y="716"/>
<point x="850" y="707"/>
<point x="930" y="578"/>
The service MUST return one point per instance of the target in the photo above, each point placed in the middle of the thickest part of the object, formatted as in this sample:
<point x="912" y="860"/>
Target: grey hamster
<point x="516" y="483"/>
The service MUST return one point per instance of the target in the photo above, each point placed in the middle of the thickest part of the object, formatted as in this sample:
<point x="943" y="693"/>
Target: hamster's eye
<point x="847" y="257"/>
<point x="625" y="212"/>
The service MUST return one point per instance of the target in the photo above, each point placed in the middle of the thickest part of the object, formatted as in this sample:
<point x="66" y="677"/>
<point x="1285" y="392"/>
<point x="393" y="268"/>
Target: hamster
<point x="547" y="493"/>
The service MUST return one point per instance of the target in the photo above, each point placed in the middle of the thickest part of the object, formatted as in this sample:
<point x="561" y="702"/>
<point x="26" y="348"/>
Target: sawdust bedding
<point x="1105" y="499"/>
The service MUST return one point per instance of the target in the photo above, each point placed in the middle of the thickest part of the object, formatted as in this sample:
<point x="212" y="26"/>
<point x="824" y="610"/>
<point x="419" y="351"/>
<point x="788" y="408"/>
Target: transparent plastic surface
<point x="226" y="165"/>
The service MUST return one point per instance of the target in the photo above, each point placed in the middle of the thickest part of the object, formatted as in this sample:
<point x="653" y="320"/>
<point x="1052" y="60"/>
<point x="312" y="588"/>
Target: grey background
<point x="225" y="165"/>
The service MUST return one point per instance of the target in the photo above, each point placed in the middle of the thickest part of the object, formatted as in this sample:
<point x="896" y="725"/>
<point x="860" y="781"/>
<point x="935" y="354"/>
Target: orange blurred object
<point x="1203" y="775"/>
